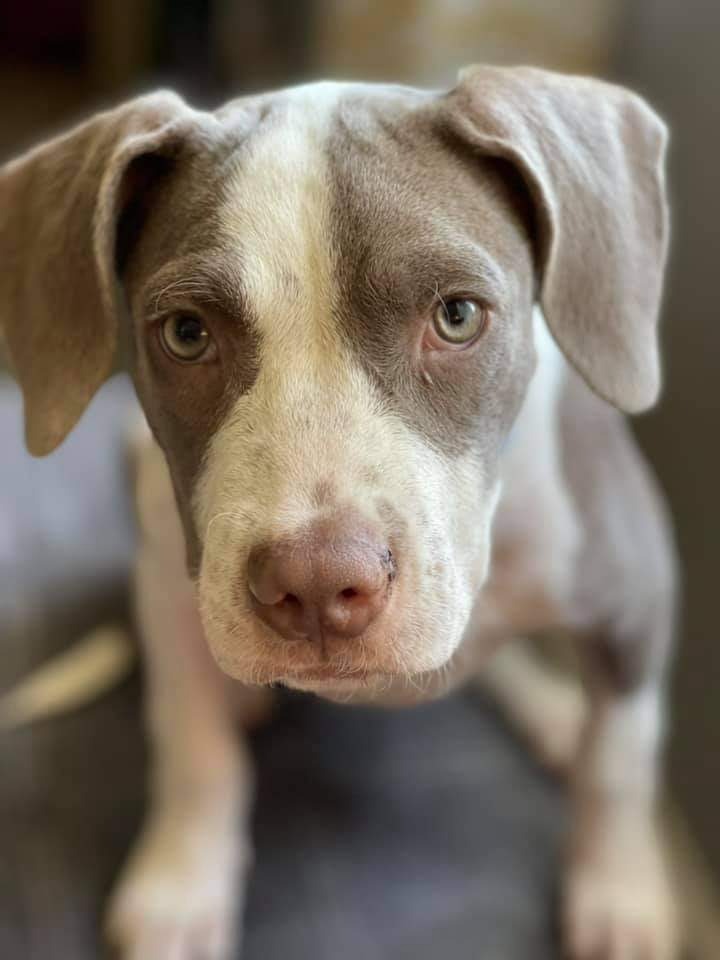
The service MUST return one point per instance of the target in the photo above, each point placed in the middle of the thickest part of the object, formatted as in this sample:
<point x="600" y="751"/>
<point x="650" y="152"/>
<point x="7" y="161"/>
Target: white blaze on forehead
<point x="277" y="213"/>
<point x="310" y="392"/>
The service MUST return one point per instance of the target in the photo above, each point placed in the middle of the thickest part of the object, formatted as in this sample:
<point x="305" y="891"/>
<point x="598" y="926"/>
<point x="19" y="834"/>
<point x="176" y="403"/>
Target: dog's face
<point x="330" y="294"/>
<point x="359" y="297"/>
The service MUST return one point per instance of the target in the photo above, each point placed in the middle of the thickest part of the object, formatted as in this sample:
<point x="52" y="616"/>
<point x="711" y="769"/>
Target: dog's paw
<point x="177" y="901"/>
<point x="619" y="906"/>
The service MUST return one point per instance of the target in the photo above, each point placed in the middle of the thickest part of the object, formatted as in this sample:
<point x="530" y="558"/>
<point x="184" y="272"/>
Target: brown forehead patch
<point x="176" y="264"/>
<point x="416" y="218"/>
<point x="176" y="255"/>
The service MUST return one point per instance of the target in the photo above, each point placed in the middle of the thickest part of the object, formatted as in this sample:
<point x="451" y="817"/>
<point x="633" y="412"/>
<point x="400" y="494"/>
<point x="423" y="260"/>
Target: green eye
<point x="185" y="336"/>
<point x="459" y="321"/>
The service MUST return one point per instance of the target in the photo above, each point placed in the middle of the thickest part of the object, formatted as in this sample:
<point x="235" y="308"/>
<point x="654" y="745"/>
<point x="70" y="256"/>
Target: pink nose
<point x="332" y="580"/>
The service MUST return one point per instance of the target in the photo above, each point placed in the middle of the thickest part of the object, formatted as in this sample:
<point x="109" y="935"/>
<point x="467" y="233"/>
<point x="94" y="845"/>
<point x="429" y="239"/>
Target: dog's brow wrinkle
<point x="189" y="287"/>
<point x="207" y="279"/>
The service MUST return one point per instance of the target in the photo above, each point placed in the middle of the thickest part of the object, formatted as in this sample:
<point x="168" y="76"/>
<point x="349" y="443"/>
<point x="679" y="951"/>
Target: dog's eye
<point x="458" y="322"/>
<point x="185" y="336"/>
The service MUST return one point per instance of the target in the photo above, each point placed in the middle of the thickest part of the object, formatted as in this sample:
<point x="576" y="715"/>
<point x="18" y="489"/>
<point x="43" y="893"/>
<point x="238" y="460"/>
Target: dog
<point x="384" y="339"/>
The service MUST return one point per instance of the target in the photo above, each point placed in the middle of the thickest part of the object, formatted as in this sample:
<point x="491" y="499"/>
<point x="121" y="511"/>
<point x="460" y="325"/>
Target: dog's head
<point x="325" y="295"/>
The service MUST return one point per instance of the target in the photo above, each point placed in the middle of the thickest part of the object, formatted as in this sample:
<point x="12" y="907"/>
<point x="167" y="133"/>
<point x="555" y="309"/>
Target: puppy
<point x="383" y="338"/>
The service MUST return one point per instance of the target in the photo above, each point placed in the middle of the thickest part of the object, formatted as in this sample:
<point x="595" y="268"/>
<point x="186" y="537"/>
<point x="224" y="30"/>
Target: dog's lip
<point x="332" y="674"/>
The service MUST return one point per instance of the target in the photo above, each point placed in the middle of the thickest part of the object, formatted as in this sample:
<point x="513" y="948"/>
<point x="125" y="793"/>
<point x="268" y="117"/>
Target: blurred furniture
<point x="669" y="52"/>
<point x="427" y="41"/>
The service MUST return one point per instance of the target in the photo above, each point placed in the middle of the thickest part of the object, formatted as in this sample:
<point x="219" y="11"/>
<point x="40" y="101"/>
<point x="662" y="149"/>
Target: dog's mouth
<point x="367" y="685"/>
<point x="333" y="675"/>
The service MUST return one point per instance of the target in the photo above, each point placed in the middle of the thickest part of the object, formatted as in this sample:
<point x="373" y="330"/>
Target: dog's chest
<point x="531" y="576"/>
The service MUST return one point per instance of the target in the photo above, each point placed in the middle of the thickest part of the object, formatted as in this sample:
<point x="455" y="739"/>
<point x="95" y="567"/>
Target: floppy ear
<point x="592" y="158"/>
<point x="60" y="206"/>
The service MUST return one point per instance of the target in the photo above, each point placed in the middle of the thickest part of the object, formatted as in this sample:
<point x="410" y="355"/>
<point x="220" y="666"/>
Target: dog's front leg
<point x="618" y="901"/>
<point x="180" y="894"/>
<point x="546" y="708"/>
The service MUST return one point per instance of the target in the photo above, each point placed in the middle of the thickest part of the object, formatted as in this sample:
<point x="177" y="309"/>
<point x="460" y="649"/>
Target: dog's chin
<point x="347" y="684"/>
<point x="396" y="689"/>
<point x="333" y="684"/>
<point x="378" y="665"/>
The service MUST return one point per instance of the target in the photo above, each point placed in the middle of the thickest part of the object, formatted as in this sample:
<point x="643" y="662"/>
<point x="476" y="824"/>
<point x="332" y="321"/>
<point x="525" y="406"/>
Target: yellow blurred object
<point x="426" y="41"/>
<point x="72" y="679"/>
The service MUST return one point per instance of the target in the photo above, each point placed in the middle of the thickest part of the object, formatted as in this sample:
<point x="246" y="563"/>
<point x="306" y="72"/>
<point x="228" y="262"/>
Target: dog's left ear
<point x="61" y="210"/>
<point x="591" y="156"/>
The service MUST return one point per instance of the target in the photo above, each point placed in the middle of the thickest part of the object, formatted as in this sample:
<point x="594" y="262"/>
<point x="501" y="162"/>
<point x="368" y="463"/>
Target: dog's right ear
<point x="60" y="208"/>
<point x="592" y="159"/>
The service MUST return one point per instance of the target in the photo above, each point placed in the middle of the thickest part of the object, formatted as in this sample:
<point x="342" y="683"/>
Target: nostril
<point x="348" y="593"/>
<point x="262" y="580"/>
<point x="390" y="565"/>
<point x="290" y="600"/>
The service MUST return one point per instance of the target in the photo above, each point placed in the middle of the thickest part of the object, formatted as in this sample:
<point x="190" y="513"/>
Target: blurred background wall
<point x="61" y="58"/>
